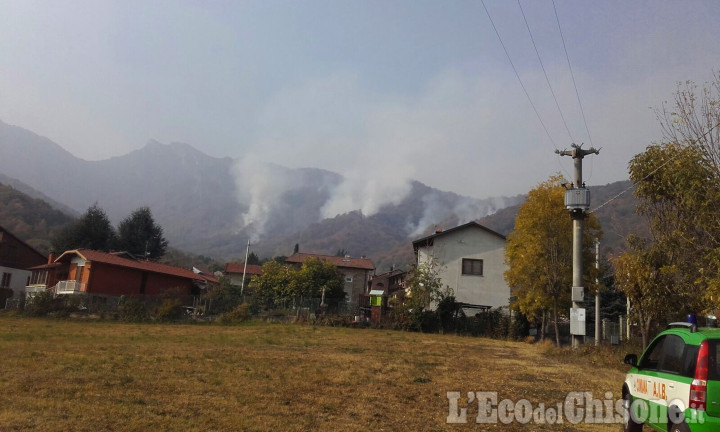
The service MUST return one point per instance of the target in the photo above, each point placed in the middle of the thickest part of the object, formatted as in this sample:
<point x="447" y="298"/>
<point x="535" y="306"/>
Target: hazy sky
<point x="384" y="90"/>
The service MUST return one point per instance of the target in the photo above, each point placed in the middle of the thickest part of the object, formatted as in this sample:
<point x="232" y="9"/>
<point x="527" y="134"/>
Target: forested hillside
<point x="30" y="219"/>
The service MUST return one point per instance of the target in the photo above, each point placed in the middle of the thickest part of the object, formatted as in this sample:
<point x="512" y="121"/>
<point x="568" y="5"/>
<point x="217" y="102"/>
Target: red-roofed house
<point x="92" y="272"/>
<point x="356" y="272"/>
<point x="234" y="271"/>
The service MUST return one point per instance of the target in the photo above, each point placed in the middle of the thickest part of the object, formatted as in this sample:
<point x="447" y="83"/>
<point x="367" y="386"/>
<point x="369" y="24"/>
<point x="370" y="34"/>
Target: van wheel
<point x="682" y="427"/>
<point x="629" y="424"/>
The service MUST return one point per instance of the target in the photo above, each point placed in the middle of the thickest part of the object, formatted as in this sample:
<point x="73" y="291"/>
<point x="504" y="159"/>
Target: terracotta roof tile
<point x="106" y="258"/>
<point x="237" y="268"/>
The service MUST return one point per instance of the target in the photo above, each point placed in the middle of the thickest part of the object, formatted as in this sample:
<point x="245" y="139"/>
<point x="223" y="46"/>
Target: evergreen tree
<point x="92" y="231"/>
<point x="141" y="236"/>
<point x="253" y="259"/>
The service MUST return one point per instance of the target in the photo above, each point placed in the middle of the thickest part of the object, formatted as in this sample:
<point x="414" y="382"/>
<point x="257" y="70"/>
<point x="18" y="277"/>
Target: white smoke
<point x="369" y="195"/>
<point x="438" y="209"/>
<point x="379" y="142"/>
<point x="261" y="191"/>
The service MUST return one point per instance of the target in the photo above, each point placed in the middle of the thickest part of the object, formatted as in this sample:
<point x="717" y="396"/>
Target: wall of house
<point x="16" y="254"/>
<point x="18" y="280"/>
<point x="116" y="281"/>
<point x="236" y="278"/>
<point x="159" y="283"/>
<point x="449" y="249"/>
<point x="112" y="280"/>
<point x="355" y="288"/>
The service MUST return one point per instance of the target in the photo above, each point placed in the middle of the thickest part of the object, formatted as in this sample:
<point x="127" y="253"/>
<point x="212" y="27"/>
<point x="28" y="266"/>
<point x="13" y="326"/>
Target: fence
<point x="201" y="305"/>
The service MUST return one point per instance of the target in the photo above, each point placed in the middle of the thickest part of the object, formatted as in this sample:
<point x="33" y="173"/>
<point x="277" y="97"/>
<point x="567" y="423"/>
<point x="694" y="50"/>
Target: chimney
<point x="438" y="230"/>
<point x="51" y="257"/>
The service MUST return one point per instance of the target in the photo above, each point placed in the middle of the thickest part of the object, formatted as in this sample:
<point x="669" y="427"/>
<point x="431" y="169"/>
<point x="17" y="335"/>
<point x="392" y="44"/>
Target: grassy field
<point x="99" y="376"/>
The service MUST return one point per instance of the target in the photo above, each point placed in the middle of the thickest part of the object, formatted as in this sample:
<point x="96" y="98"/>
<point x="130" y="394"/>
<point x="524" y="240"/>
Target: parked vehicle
<point x="675" y="385"/>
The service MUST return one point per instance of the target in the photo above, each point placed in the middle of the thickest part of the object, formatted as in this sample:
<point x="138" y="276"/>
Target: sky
<point x="380" y="91"/>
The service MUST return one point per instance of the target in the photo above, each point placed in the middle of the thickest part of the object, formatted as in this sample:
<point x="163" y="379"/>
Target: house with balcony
<point x="85" y="271"/>
<point x="470" y="259"/>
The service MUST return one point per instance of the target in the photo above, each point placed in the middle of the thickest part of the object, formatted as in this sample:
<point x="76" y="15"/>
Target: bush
<point x="429" y="322"/>
<point x="520" y="327"/>
<point x="169" y="310"/>
<point x="41" y="304"/>
<point x="447" y="310"/>
<point x="132" y="311"/>
<point x="5" y="293"/>
<point x="239" y="314"/>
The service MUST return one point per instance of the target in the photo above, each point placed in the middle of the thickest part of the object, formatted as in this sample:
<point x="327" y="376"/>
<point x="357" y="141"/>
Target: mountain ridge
<point x="209" y="205"/>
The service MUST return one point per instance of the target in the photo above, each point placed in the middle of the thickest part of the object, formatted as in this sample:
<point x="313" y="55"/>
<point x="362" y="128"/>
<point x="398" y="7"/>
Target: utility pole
<point x="597" y="293"/>
<point x="577" y="200"/>
<point x="242" y="284"/>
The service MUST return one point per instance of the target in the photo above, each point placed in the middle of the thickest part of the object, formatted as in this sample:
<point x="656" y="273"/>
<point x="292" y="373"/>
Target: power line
<point x="653" y="171"/>
<point x="545" y="72"/>
<point x="577" y="93"/>
<point x="518" y="75"/>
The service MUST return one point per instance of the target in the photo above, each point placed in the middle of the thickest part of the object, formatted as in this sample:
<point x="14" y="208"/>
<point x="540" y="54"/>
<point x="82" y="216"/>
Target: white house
<point x="470" y="259"/>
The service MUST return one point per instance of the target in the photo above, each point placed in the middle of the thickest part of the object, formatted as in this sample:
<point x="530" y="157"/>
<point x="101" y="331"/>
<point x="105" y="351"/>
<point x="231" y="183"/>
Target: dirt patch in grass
<point x="90" y="376"/>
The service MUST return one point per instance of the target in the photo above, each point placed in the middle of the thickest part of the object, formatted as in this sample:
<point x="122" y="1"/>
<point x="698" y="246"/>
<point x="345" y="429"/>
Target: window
<point x="39" y="277"/>
<point x="5" y="283"/>
<point x="673" y="350"/>
<point x="472" y="267"/>
<point x="348" y="279"/>
<point x="651" y="358"/>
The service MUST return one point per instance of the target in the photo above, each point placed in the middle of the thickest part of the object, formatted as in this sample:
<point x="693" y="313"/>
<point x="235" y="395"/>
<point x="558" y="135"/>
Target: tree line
<point x="138" y="234"/>
<point x="670" y="273"/>
<point x="676" y="271"/>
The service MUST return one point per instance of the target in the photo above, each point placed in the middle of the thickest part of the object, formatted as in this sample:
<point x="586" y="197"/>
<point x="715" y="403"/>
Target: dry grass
<point x="98" y="376"/>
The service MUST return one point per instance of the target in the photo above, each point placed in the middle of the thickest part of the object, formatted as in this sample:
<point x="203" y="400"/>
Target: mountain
<point x="33" y="193"/>
<point x="211" y="206"/>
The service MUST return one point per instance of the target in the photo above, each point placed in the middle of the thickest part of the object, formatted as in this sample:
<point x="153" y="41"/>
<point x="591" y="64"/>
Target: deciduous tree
<point x="539" y="253"/>
<point x="641" y="273"/>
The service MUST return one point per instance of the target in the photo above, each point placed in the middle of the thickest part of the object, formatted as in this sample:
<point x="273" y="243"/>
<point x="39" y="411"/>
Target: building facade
<point x="470" y="259"/>
<point x="356" y="273"/>
<point x="16" y="257"/>
<point x="234" y="272"/>
<point x="85" y="271"/>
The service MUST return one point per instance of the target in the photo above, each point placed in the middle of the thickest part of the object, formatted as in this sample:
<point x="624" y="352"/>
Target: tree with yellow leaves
<point x="539" y="253"/>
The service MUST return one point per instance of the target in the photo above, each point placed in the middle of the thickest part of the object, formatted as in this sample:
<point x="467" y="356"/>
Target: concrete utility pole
<point x="247" y="252"/>
<point x="597" y="293"/>
<point x="577" y="200"/>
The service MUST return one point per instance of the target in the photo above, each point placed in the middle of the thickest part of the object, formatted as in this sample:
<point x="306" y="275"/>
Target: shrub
<point x="41" y="304"/>
<point x="429" y="322"/>
<point x="447" y="310"/>
<point x="240" y="314"/>
<point x="132" y="311"/>
<point x="5" y="293"/>
<point x="169" y="310"/>
<point x="520" y="327"/>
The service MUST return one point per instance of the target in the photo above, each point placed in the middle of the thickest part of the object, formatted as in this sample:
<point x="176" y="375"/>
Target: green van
<point x="675" y="385"/>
